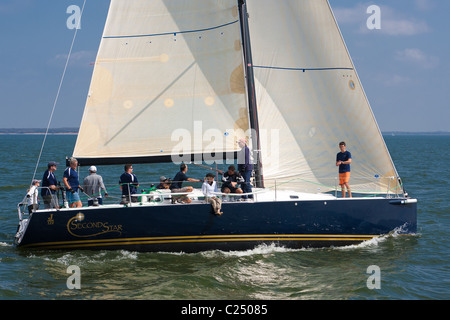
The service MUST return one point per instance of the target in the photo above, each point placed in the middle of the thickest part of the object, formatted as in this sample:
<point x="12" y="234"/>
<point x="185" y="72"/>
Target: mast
<point x="253" y="112"/>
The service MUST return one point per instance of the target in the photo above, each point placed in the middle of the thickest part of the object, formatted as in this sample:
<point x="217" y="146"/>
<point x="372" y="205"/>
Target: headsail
<point x="310" y="98"/>
<point x="168" y="81"/>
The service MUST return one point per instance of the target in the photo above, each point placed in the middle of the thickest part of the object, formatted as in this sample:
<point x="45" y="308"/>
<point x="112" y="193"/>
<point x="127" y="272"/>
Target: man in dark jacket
<point x="231" y="180"/>
<point x="129" y="183"/>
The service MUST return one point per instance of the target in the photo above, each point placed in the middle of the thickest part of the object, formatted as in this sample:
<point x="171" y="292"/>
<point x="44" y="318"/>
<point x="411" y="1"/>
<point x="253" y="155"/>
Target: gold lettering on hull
<point x="85" y="229"/>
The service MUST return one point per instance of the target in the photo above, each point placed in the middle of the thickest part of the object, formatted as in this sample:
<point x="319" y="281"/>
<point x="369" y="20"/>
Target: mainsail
<point x="309" y="99"/>
<point x="168" y="84"/>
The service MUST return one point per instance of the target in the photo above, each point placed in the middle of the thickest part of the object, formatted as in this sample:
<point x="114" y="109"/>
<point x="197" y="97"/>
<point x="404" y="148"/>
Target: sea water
<point x="410" y="266"/>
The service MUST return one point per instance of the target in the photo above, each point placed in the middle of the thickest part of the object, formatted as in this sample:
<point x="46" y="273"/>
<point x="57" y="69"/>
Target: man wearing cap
<point x="164" y="183"/>
<point x="32" y="196"/>
<point x="245" y="167"/>
<point x="49" y="186"/>
<point x="72" y="184"/>
<point x="93" y="186"/>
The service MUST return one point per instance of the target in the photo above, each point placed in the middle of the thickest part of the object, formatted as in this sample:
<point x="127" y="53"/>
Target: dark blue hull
<point x="194" y="228"/>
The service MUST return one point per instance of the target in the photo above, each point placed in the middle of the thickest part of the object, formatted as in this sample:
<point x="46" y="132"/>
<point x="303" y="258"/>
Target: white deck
<point x="164" y="198"/>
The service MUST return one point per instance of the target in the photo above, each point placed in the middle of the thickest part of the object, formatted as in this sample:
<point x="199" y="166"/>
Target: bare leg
<point x="343" y="190"/>
<point x="348" y="190"/>
<point x="346" y="186"/>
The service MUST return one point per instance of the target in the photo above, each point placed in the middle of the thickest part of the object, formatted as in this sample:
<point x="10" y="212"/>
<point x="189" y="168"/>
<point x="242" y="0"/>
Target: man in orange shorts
<point x="343" y="160"/>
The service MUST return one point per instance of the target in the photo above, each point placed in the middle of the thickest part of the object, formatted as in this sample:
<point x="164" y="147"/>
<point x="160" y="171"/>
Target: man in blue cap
<point x="49" y="186"/>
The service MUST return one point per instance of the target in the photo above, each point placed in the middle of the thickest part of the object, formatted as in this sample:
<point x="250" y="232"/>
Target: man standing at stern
<point x="343" y="161"/>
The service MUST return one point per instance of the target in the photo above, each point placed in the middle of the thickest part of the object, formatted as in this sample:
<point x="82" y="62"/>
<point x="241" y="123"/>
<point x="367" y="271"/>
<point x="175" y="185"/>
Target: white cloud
<point x="393" y="23"/>
<point x="424" y="5"/>
<point x="353" y="15"/>
<point x="403" y="27"/>
<point x="79" y="58"/>
<point x="417" y="57"/>
<point x="396" y="80"/>
<point x="13" y="6"/>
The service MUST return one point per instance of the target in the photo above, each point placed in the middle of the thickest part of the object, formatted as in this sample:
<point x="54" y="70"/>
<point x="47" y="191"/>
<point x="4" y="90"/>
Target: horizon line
<point x="75" y="130"/>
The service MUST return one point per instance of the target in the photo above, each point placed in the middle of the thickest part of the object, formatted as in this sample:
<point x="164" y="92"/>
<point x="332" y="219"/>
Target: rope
<point x="58" y="92"/>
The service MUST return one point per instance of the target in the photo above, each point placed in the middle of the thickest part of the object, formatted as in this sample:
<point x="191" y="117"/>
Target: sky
<point x="403" y="65"/>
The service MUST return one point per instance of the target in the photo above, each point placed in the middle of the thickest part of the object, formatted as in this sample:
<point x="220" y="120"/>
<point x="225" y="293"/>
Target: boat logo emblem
<point x="50" y="220"/>
<point x="79" y="217"/>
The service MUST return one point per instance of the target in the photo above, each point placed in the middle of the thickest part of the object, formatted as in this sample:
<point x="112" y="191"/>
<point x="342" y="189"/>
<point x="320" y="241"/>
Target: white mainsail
<point x="168" y="80"/>
<point x="309" y="94"/>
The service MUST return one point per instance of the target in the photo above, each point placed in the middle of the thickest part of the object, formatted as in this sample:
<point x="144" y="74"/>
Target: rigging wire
<point x="59" y="90"/>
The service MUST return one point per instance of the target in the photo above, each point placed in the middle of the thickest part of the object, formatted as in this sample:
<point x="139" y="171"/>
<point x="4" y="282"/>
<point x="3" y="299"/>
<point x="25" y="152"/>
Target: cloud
<point x="396" y="80"/>
<point x="403" y="27"/>
<point x="393" y="23"/>
<point x="13" y="6"/>
<point x="424" y="5"/>
<point x="417" y="57"/>
<point x="79" y="58"/>
<point x="353" y="15"/>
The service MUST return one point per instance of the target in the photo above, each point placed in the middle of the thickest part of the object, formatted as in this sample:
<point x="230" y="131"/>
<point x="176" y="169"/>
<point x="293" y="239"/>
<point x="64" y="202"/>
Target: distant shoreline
<point x="38" y="134"/>
<point x="39" y="131"/>
<point x="74" y="131"/>
<point x="407" y="133"/>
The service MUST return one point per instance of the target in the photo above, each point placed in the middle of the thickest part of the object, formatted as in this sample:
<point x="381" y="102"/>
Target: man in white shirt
<point x="209" y="188"/>
<point x="32" y="196"/>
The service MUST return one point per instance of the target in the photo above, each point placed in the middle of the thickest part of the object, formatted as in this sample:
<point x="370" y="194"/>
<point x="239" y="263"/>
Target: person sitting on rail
<point x="209" y="189"/>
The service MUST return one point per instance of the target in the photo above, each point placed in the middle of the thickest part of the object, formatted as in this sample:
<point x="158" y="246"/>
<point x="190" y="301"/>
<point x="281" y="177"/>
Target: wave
<point x="5" y="244"/>
<point x="262" y="249"/>
<point x="375" y="242"/>
<point x="83" y="258"/>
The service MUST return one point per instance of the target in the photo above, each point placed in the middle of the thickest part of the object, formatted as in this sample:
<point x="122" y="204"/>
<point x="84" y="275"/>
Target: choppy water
<point x="411" y="267"/>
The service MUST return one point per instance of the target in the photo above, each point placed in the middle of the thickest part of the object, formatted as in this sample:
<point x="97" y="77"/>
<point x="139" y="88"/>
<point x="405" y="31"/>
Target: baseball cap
<point x="93" y="169"/>
<point x="52" y="163"/>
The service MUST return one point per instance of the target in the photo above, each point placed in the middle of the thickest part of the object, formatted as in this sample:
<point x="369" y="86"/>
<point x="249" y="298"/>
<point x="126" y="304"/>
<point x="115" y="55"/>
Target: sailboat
<point x="182" y="81"/>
